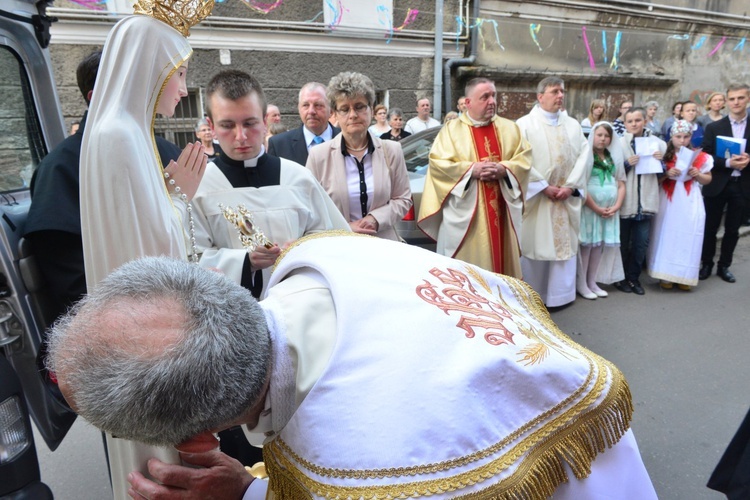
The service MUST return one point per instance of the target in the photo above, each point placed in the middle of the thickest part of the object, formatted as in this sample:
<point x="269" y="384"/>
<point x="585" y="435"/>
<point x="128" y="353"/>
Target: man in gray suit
<point x="314" y="111"/>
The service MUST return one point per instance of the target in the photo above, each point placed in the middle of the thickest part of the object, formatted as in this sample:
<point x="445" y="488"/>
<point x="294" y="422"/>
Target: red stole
<point x="487" y="147"/>
<point x="669" y="184"/>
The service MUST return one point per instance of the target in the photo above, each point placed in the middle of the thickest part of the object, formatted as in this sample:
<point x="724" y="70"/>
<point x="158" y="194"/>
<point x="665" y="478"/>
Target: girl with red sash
<point x="677" y="233"/>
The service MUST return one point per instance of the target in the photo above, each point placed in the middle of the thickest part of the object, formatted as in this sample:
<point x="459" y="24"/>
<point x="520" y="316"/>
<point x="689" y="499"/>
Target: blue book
<point x="728" y="146"/>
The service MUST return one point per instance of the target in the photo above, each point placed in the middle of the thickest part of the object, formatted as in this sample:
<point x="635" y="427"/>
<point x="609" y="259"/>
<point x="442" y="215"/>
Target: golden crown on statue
<point x="179" y="14"/>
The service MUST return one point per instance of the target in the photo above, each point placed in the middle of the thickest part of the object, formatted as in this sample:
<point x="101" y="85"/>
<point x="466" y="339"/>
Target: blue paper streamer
<point x="616" y="51"/>
<point x="700" y="43"/>
<point x="604" y="45"/>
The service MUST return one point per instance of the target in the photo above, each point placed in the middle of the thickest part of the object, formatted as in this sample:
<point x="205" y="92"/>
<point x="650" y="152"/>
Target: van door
<point x="30" y="122"/>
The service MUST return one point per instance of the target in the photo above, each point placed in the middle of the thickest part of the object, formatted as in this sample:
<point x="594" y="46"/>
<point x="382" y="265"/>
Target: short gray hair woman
<point x="204" y="133"/>
<point x="651" y="122"/>
<point x="396" y="121"/>
<point x="365" y="177"/>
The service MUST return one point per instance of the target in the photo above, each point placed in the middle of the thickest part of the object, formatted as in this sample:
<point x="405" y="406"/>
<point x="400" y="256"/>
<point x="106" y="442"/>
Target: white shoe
<point x="598" y="291"/>
<point x="587" y="294"/>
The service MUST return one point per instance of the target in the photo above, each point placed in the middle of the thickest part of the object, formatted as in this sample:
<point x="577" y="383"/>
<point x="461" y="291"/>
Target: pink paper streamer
<point x="91" y="4"/>
<point x="411" y="15"/>
<point x="588" y="49"/>
<point x="262" y="7"/>
<point x="718" y="46"/>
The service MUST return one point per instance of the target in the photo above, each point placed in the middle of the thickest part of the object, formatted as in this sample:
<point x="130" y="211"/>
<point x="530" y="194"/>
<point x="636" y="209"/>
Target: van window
<point x="21" y="141"/>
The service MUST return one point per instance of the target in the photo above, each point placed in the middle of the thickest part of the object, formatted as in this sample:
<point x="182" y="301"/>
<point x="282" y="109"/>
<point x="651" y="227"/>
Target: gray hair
<point x="164" y="389"/>
<point x="350" y="85"/>
<point x="201" y="123"/>
<point x="550" y="81"/>
<point x="650" y="104"/>
<point x="311" y="86"/>
<point x="394" y="112"/>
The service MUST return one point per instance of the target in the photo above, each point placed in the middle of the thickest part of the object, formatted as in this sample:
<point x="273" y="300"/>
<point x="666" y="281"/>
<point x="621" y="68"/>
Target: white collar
<point x="253" y="162"/>
<point x="476" y="123"/>
<point x="552" y="118"/>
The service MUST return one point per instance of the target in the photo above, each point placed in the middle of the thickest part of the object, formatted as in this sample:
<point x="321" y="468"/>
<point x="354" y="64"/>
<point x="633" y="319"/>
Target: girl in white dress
<point x="674" y="254"/>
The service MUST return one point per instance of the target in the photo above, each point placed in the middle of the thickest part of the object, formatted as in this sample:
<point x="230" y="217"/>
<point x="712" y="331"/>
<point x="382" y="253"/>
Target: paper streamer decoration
<point x="91" y="4"/>
<point x="718" y="46"/>
<point x="678" y="37"/>
<point x="700" y="43"/>
<point x="494" y="26"/>
<point x="384" y="18"/>
<point x="477" y="24"/>
<point x="604" y="46"/>
<point x="338" y="13"/>
<point x="261" y="7"/>
<point x="497" y="36"/>
<point x="411" y="15"/>
<point x="592" y="64"/>
<point x="740" y="45"/>
<point x="616" y="51"/>
<point x="309" y="20"/>
<point x="534" y="31"/>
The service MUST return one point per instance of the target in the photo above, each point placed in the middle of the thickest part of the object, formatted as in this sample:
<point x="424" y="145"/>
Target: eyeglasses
<point x="358" y="108"/>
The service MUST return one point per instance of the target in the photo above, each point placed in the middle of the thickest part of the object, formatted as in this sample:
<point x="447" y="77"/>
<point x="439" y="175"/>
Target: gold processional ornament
<point x="179" y="14"/>
<point x="251" y="236"/>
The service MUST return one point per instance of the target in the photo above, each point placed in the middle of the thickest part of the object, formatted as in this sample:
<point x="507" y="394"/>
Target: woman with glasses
<point x="365" y="177"/>
<point x="381" y="125"/>
<point x="206" y="136"/>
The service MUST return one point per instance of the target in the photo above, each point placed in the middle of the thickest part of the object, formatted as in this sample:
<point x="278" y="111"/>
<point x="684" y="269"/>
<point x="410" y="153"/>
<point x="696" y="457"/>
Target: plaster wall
<point x="684" y="50"/>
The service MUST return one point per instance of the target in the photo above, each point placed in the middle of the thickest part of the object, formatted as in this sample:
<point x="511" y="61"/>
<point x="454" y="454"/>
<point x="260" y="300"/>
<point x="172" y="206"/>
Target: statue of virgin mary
<point x="127" y="208"/>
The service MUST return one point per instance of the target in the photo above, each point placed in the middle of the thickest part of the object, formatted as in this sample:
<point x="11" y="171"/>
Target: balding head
<point x="161" y="351"/>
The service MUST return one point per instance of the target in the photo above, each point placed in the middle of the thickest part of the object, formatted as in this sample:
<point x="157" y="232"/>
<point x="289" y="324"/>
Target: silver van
<point x="30" y="126"/>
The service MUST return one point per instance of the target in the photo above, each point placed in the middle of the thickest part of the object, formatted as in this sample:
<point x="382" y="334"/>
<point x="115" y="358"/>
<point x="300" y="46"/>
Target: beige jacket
<point x="647" y="200"/>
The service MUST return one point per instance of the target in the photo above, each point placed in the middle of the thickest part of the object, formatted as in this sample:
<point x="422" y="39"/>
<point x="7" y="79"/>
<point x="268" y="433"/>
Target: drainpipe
<point x="437" y="79"/>
<point x="462" y="61"/>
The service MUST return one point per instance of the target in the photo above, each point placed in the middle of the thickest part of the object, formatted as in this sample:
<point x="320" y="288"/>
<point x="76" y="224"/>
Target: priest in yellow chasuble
<point x="473" y="195"/>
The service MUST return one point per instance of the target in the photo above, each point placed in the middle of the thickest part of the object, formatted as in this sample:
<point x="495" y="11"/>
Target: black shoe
<point x="623" y="286"/>
<point x="725" y="274"/>
<point x="636" y="287"/>
<point x="705" y="271"/>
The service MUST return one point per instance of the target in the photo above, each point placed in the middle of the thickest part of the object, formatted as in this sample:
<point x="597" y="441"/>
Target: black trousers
<point x="733" y="199"/>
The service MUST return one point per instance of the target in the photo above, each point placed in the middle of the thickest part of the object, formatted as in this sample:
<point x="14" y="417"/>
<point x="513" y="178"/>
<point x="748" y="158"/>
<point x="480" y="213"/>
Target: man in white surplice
<point x="499" y="402"/>
<point x="286" y="201"/>
<point x="551" y="220"/>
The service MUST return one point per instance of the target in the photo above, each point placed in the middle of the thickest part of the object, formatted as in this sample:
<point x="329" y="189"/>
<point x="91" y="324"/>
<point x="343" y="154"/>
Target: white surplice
<point x="297" y="206"/>
<point x="549" y="234"/>
<point x="328" y="387"/>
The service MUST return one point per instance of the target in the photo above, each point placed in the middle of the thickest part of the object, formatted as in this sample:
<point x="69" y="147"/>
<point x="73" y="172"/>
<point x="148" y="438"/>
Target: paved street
<point x="685" y="357"/>
<point x="684" y="354"/>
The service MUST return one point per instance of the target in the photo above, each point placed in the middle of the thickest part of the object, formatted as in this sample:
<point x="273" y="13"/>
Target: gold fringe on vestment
<point x="537" y="476"/>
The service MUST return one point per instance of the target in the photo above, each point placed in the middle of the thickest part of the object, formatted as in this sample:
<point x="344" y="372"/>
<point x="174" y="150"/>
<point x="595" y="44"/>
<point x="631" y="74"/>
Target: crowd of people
<point x="677" y="206"/>
<point x="531" y="199"/>
<point x="596" y="212"/>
